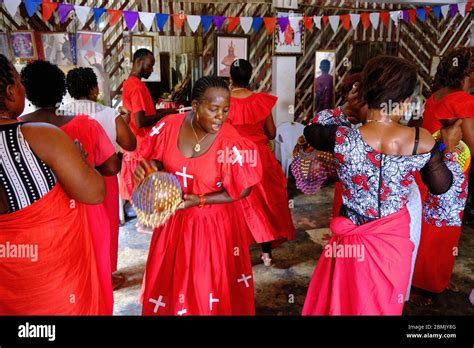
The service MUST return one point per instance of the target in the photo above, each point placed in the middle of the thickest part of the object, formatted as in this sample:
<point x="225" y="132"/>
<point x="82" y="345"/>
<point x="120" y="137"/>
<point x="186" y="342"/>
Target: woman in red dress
<point x="94" y="141"/>
<point x="266" y="209"/>
<point x="199" y="261"/>
<point x="436" y="255"/>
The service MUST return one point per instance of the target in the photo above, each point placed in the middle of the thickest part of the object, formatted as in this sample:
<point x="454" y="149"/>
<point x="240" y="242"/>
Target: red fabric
<point x="48" y="9"/>
<point x="384" y="16"/>
<point x="233" y="23"/>
<point x="455" y="105"/>
<point x="111" y="204"/>
<point x="308" y="22"/>
<point x="178" y="20"/>
<point x="364" y="17"/>
<point x="269" y="24"/>
<point x="114" y="16"/>
<point x="266" y="209"/>
<point x="435" y="259"/>
<point x="412" y="15"/>
<point x="96" y="143"/>
<point x="325" y="20"/>
<point x="64" y="279"/>
<point x="337" y="203"/>
<point x="205" y="250"/>
<point x="346" y="22"/>
<point x="136" y="97"/>
<point x="372" y="282"/>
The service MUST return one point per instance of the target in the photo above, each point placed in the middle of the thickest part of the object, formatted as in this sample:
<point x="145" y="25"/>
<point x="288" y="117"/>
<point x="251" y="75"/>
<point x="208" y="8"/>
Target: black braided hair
<point x="457" y="64"/>
<point x="45" y="83"/>
<point x="80" y="82"/>
<point x="141" y="53"/>
<point x="206" y="82"/>
<point x="7" y="78"/>
<point x="241" y="72"/>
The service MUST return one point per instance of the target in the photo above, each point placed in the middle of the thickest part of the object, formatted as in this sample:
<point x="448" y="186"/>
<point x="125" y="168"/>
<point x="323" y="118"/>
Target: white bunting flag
<point x="246" y="23"/>
<point x="374" y="19"/>
<point x="355" y="20"/>
<point x="317" y="21"/>
<point x="12" y="6"/>
<point x="462" y="8"/>
<point x="334" y="22"/>
<point x="147" y="19"/>
<point x="193" y="22"/>
<point x="295" y="22"/>
<point x="444" y="11"/>
<point x="82" y="12"/>
<point x="395" y="16"/>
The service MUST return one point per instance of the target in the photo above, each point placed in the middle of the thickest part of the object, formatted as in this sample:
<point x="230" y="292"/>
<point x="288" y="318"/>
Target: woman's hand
<point x="301" y="145"/>
<point x="125" y="114"/>
<point x="143" y="169"/>
<point x="355" y="109"/>
<point x="452" y="135"/>
<point x="189" y="201"/>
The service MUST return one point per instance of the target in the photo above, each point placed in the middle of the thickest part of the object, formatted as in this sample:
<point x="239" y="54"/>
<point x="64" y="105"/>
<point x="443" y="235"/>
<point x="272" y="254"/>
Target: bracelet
<point x="202" y="201"/>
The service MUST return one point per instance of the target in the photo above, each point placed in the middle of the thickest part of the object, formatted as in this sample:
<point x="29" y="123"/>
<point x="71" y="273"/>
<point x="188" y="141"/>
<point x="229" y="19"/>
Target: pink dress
<point x="266" y="209"/>
<point x="99" y="149"/>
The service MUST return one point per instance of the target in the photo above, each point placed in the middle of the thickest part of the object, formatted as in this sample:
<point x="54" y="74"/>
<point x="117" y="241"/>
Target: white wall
<point x="283" y="86"/>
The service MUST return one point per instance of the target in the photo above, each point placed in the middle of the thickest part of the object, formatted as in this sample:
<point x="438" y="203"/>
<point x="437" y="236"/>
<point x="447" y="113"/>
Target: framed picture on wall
<point x="5" y="48"/>
<point x="57" y="48"/>
<point x="228" y="49"/>
<point x="23" y="45"/>
<point x="324" y="80"/>
<point x="289" y="42"/>
<point x="141" y="41"/>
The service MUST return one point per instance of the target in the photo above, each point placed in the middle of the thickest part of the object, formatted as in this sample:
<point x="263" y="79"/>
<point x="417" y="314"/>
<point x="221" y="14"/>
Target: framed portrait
<point x="148" y="42"/>
<point x="57" y="48"/>
<point x="289" y="42"/>
<point x="287" y="4"/>
<point x="228" y="49"/>
<point x="434" y="65"/>
<point x="5" y="48"/>
<point x="23" y="45"/>
<point x="324" y="80"/>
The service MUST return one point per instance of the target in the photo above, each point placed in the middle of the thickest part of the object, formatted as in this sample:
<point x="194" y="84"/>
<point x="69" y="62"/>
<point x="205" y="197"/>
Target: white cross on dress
<point x="185" y="176"/>
<point x="156" y="130"/>
<point x="158" y="303"/>
<point x="245" y="280"/>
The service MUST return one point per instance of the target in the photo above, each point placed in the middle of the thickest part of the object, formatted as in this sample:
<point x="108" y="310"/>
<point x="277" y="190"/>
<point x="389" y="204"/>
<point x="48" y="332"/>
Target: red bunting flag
<point x="469" y="6"/>
<point x="308" y="22"/>
<point x="346" y="21"/>
<point x="114" y="16"/>
<point x="325" y="20"/>
<point x="365" y="19"/>
<point x="48" y="9"/>
<point x="269" y="24"/>
<point x="178" y="20"/>
<point x="384" y="16"/>
<point x="233" y="22"/>
<point x="427" y="10"/>
<point x="412" y="15"/>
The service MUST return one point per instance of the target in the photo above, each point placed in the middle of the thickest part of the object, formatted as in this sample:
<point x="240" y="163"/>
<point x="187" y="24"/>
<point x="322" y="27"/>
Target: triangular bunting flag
<point x="334" y="22"/>
<point x="12" y="6"/>
<point x="232" y="23"/>
<point x="98" y="12"/>
<point x="325" y="20"/>
<point x="63" y="11"/>
<point x="317" y="21"/>
<point x="427" y="11"/>
<point x="161" y="19"/>
<point x="269" y="24"/>
<point x="295" y="22"/>
<point x="437" y="11"/>
<point x="384" y="16"/>
<point x="257" y="23"/>
<point x="308" y="22"/>
<point x="453" y="9"/>
<point x="462" y="8"/>
<point x="85" y="38"/>
<point x="346" y="22"/>
<point x="178" y="20"/>
<point x="48" y="9"/>
<point x="31" y="6"/>
<point x="131" y="18"/>
<point x="412" y="15"/>
<point x="82" y="12"/>
<point x="355" y="20"/>
<point x="469" y="6"/>
<point x="395" y="16"/>
<point x="421" y="13"/>
<point x="246" y="23"/>
<point x="114" y="16"/>
<point x="444" y="11"/>
<point x="364" y="17"/>
<point x="147" y="19"/>
<point x="193" y="22"/>
<point x="405" y="16"/>
<point x="218" y="21"/>
<point x="206" y="22"/>
<point x="374" y="19"/>
<point x="283" y="23"/>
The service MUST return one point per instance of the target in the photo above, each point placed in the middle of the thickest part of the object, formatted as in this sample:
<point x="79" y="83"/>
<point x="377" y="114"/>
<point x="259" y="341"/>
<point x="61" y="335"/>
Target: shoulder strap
<point x="417" y="140"/>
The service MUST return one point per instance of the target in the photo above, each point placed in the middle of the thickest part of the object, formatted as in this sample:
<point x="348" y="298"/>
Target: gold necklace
<point x="197" y="147"/>
<point x="380" y="121"/>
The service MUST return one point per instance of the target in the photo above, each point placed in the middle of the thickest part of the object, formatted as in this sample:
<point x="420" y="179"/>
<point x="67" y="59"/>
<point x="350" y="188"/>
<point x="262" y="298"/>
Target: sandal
<point x="267" y="260"/>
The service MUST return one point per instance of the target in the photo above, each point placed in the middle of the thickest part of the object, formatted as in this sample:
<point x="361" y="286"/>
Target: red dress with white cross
<point x="199" y="262"/>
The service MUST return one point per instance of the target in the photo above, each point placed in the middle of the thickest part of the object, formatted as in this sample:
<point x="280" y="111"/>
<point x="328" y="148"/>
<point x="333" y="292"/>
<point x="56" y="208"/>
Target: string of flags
<point x="131" y="18"/>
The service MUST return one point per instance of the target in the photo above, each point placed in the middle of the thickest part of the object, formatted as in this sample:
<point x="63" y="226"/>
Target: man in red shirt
<point x="143" y="115"/>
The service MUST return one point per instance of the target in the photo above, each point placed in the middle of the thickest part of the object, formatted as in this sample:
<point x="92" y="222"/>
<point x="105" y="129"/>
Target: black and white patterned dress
<point x="376" y="185"/>
<point x="24" y="178"/>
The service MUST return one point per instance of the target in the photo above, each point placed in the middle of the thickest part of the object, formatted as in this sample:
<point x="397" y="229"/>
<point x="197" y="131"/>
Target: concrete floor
<point x="281" y="289"/>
